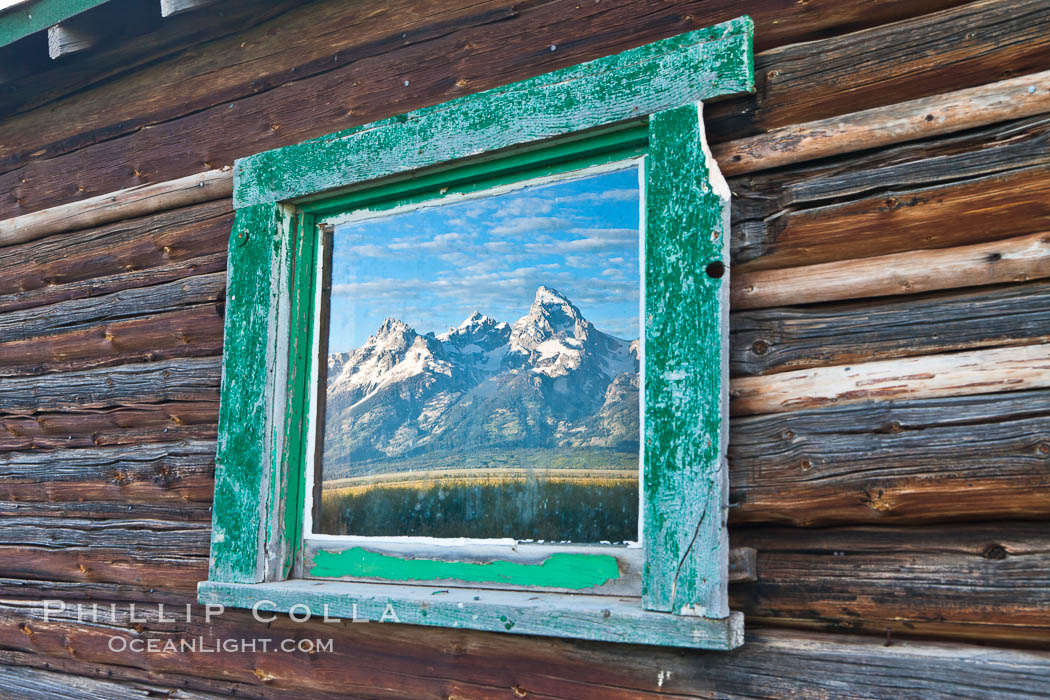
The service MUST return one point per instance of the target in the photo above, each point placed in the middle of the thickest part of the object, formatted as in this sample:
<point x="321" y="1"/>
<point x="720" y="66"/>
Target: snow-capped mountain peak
<point x="404" y="389"/>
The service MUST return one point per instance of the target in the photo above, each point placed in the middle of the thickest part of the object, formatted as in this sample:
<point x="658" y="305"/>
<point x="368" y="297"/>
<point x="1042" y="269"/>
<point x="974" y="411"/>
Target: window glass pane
<point x="483" y="368"/>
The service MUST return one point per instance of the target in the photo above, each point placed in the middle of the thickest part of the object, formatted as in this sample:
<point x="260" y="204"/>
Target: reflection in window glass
<point x="483" y="368"/>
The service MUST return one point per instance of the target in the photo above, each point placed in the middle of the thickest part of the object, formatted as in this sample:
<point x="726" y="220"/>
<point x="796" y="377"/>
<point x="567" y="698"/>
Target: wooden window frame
<point x="645" y="102"/>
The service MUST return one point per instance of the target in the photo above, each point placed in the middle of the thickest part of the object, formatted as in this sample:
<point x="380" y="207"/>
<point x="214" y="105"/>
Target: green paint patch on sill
<point x="561" y="570"/>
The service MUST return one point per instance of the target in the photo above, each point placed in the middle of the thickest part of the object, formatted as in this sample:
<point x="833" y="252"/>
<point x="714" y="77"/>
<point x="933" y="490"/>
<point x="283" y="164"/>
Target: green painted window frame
<point x="642" y="102"/>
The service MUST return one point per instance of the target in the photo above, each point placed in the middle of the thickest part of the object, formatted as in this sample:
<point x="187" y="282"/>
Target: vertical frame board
<point x="686" y="370"/>
<point x="243" y="462"/>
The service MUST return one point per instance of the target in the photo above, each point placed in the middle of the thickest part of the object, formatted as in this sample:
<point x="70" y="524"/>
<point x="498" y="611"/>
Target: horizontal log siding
<point x="916" y="515"/>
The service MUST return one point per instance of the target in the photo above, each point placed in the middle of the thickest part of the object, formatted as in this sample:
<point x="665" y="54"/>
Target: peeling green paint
<point x="561" y="570"/>
<point x="686" y="379"/>
<point x="683" y="69"/>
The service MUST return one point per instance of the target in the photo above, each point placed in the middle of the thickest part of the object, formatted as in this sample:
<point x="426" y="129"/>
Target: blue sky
<point x="432" y="267"/>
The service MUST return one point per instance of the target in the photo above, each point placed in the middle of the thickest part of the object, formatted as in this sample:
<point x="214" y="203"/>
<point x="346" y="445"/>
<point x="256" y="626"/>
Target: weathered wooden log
<point x="195" y="332"/>
<point x="135" y="245"/>
<point x="164" y="510"/>
<point x="136" y="537"/>
<point x="135" y="425"/>
<point x="187" y="686"/>
<point x="981" y="210"/>
<point x="993" y="150"/>
<point x="77" y="314"/>
<point x="124" y="204"/>
<point x="978" y="581"/>
<point x="918" y="461"/>
<point x="1009" y="36"/>
<point x="160" y="473"/>
<point x="191" y="379"/>
<point x="109" y="284"/>
<point x="931" y="376"/>
<point x="97" y="562"/>
<point x="1015" y="259"/>
<point x="774" y="340"/>
<point x="1005" y="100"/>
<point x="773" y="663"/>
<point x="957" y="48"/>
<point x="37" y="684"/>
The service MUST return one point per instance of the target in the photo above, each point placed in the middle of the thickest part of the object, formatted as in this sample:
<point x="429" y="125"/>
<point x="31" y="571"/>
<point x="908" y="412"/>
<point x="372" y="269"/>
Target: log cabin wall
<point x="890" y="450"/>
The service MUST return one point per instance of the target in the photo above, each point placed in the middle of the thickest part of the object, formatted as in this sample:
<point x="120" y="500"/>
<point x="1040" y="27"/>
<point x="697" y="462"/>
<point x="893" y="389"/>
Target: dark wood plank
<point x="911" y="185"/>
<point x="382" y="661"/>
<point x="38" y="684"/>
<point x="985" y="581"/>
<point x="957" y="48"/>
<point x="363" y="80"/>
<point x="964" y="458"/>
<point x="80" y="314"/>
<point x="194" y="332"/>
<point x="182" y="241"/>
<point x="172" y="473"/>
<point x="991" y="150"/>
<point x="982" y="209"/>
<point x="774" y="340"/>
<point x="192" y="379"/>
<point x="174" y="510"/>
<point x="96" y="562"/>
<point x="133" y="425"/>
<point x="157" y="553"/>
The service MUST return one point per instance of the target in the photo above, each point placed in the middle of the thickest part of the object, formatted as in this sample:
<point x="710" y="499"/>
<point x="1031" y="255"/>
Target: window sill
<point x="599" y="618"/>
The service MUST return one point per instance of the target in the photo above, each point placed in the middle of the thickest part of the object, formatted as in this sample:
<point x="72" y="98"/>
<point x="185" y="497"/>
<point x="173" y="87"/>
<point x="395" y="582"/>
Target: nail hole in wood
<point x="716" y="269"/>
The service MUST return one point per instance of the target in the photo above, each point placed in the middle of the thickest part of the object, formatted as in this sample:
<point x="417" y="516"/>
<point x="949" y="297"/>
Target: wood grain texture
<point x="957" y="48"/>
<point x="194" y="380"/>
<point x="1005" y="100"/>
<point x="985" y="581"/>
<point x="933" y="460"/>
<point x="79" y="314"/>
<point x="173" y="473"/>
<point x="164" y="554"/>
<point x="600" y="618"/>
<point x="379" y="661"/>
<point x="67" y="38"/>
<point x="134" y="425"/>
<point x="117" y="206"/>
<point x="194" y="332"/>
<point x="1015" y="259"/>
<point x="955" y="374"/>
<point x="38" y="272"/>
<point x="775" y="340"/>
<point x="961" y="458"/>
<point x="265" y="74"/>
<point x="38" y="684"/>
<point x="246" y="455"/>
<point x="982" y="209"/>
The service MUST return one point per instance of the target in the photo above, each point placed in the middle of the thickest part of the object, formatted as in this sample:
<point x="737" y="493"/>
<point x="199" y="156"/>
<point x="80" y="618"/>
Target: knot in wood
<point x="996" y="552"/>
